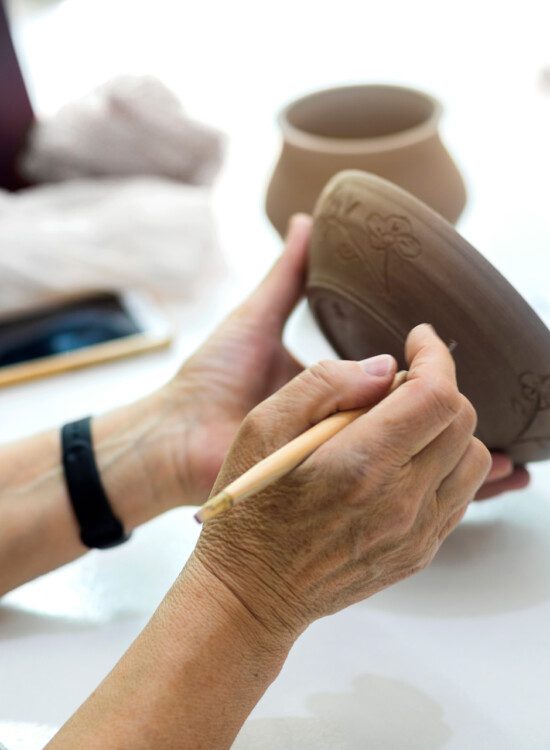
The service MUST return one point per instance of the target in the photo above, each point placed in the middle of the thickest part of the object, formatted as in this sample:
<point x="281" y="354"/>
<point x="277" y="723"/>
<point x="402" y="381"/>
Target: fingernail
<point x="295" y="221"/>
<point x="501" y="468"/>
<point x="290" y="226"/>
<point x="378" y="366"/>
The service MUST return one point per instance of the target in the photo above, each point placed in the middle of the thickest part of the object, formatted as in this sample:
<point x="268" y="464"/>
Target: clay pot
<point x="381" y="262"/>
<point x="387" y="130"/>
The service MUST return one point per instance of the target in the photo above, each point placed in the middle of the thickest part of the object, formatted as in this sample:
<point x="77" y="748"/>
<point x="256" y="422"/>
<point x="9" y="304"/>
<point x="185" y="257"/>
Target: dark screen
<point x="64" y="328"/>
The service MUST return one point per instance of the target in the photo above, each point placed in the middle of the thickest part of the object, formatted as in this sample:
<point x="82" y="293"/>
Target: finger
<point x="502" y="467"/>
<point x="466" y="478"/>
<point x="440" y="457"/>
<point x="273" y="300"/>
<point x="518" y="480"/>
<point x="428" y="356"/>
<point x="409" y="419"/>
<point x="317" y="392"/>
<point x="453" y="522"/>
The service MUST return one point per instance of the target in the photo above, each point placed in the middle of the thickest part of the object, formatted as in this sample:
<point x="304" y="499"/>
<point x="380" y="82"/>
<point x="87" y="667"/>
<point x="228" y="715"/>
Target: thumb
<point x="273" y="300"/>
<point x="316" y="393"/>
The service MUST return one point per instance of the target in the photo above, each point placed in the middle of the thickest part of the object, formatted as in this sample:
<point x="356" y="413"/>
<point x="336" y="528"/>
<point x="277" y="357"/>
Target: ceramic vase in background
<point x="390" y="131"/>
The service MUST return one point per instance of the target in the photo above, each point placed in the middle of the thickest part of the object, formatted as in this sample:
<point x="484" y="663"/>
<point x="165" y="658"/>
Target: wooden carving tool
<point x="283" y="460"/>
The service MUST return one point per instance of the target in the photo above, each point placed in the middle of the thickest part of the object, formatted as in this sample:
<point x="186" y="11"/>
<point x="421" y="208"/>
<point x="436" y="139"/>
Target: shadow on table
<point x="50" y="663"/>
<point x="483" y="568"/>
<point x="378" y="713"/>
<point x="19" y="623"/>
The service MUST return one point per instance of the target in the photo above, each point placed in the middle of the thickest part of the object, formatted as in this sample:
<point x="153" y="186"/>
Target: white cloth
<point x="123" y="217"/>
<point x="148" y="234"/>
<point x="132" y="125"/>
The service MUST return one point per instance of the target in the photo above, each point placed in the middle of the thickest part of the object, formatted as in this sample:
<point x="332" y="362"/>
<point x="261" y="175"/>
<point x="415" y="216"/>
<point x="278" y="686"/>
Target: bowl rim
<point x="305" y="140"/>
<point x="405" y="200"/>
<point x="498" y="293"/>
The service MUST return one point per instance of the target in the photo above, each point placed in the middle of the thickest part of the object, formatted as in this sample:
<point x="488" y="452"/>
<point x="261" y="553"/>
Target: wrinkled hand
<point x="241" y="364"/>
<point x="369" y="507"/>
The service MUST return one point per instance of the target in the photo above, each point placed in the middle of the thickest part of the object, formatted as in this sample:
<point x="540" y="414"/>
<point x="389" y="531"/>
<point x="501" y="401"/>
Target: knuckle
<point x="468" y="415"/>
<point x="422" y="562"/>
<point x="357" y="477"/>
<point x="425" y="553"/>
<point x="253" y="426"/>
<point x="355" y="542"/>
<point x="404" y="515"/>
<point x="481" y="457"/>
<point x="355" y="466"/>
<point x="384" y="449"/>
<point x="324" y="374"/>
<point x="430" y="551"/>
<point x="414" y="567"/>
<point x="443" y="398"/>
<point x="453" y="521"/>
<point x="386" y="455"/>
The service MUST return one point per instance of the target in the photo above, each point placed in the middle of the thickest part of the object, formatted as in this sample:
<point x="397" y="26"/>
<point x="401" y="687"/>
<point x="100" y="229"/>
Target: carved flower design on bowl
<point x="344" y="230"/>
<point x="535" y="391"/>
<point x="336" y="225"/>
<point x="536" y="388"/>
<point x="392" y="234"/>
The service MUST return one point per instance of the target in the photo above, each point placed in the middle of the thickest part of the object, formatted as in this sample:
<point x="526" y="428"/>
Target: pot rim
<point x="312" y="142"/>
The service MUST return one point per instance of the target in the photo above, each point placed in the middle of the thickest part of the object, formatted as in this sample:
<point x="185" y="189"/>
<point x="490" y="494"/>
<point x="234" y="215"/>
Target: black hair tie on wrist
<point x="99" y="527"/>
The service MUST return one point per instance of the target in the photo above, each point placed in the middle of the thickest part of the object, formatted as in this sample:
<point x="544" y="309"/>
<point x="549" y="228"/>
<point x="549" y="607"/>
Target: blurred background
<point x="233" y="66"/>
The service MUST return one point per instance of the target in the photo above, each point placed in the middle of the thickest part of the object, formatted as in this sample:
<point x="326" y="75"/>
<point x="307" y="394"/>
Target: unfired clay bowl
<point x="390" y="131"/>
<point x="381" y="262"/>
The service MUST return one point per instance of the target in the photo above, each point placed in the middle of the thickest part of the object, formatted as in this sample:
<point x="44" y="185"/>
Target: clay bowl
<point x="391" y="131"/>
<point x="381" y="262"/>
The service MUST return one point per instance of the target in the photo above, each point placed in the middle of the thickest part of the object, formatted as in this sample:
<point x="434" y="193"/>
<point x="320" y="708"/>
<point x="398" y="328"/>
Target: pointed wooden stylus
<point x="283" y="460"/>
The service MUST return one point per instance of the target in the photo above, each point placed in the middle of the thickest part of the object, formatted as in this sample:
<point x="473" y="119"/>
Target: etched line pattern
<point x="535" y="398"/>
<point x="392" y="235"/>
<point x="336" y="231"/>
<point x="344" y="227"/>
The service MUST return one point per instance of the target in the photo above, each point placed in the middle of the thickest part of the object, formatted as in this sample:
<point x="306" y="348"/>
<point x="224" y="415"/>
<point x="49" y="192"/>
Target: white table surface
<point x="457" y="657"/>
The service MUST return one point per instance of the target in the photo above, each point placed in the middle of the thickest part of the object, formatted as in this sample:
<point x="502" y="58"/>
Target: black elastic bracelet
<point x="99" y="527"/>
